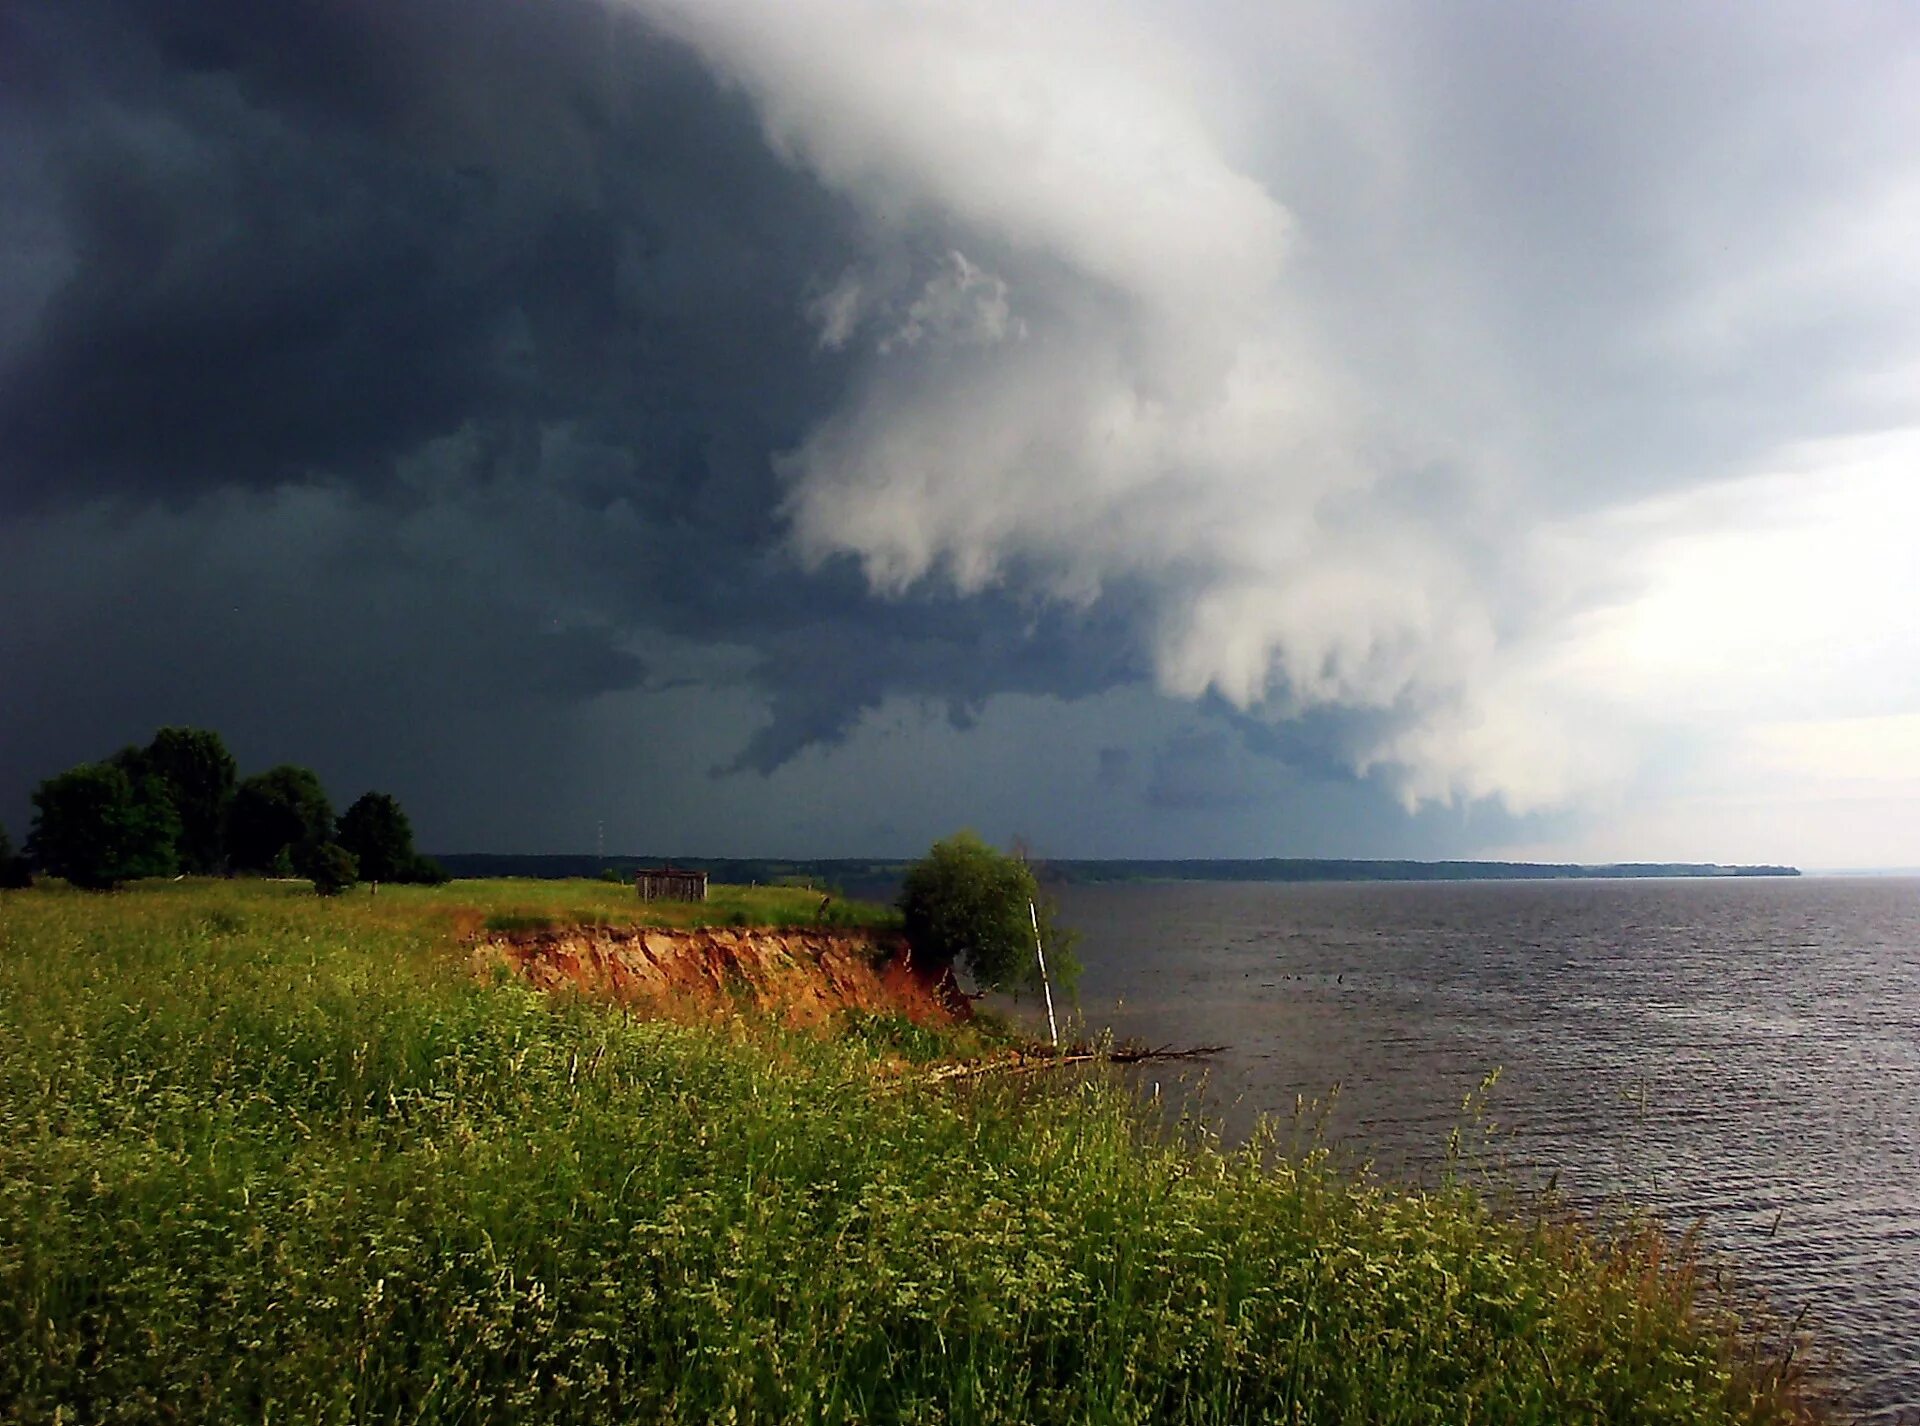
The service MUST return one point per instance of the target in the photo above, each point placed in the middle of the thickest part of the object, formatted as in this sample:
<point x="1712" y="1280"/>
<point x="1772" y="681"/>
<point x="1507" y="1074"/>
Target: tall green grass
<point x="517" y="903"/>
<point x="268" y="1157"/>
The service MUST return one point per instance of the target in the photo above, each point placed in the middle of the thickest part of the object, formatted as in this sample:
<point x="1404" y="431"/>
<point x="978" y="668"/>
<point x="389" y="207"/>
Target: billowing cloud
<point x="1169" y="418"/>
<point x="1201" y="406"/>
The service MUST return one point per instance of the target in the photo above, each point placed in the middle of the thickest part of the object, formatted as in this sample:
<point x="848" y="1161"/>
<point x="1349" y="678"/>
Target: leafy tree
<point x="154" y="822"/>
<point x="966" y="903"/>
<point x="330" y="866"/>
<point x="427" y="872"/>
<point x="157" y="818"/>
<point x="282" y="809"/>
<point x="97" y="826"/>
<point x="14" y="872"/>
<point x="379" y="835"/>
<point x="200" y="774"/>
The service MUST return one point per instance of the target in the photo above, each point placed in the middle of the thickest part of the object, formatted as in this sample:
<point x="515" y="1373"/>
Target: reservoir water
<point x="1740" y="1053"/>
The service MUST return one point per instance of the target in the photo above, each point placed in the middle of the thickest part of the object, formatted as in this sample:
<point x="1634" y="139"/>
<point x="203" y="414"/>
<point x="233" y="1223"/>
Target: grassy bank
<point x="515" y="903"/>
<point x="264" y="1156"/>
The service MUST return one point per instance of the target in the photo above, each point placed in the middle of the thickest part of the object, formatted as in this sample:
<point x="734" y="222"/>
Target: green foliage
<point x="1063" y="966"/>
<point x="282" y="809"/>
<point x="425" y="871"/>
<point x="156" y="821"/>
<point x="200" y="777"/>
<point x="612" y="874"/>
<point x="378" y="833"/>
<point x="263" y="1158"/>
<point x="97" y="826"/>
<point x="836" y="911"/>
<point x="330" y="867"/>
<point x="965" y="903"/>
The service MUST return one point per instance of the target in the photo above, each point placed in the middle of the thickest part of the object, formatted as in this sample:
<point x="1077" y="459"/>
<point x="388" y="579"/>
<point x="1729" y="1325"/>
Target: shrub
<point x="331" y="868"/>
<point x="426" y="872"/>
<point x="965" y="903"/>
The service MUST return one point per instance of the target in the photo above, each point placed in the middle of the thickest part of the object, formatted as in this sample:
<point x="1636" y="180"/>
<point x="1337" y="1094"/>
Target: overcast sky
<point x="807" y="426"/>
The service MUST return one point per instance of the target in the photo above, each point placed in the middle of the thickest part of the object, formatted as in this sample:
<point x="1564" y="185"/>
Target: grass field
<point x="265" y="1157"/>
<point x="511" y="902"/>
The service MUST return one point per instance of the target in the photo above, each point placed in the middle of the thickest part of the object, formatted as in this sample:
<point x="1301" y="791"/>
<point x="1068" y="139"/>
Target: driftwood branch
<point x="1134" y="1054"/>
<point x="1038" y="1059"/>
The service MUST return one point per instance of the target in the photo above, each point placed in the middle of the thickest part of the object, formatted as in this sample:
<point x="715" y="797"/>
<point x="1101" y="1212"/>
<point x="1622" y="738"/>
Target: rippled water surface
<point x="1742" y="1052"/>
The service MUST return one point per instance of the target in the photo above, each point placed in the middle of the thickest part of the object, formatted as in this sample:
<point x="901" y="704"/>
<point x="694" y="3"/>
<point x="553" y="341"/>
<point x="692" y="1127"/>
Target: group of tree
<point x="178" y="806"/>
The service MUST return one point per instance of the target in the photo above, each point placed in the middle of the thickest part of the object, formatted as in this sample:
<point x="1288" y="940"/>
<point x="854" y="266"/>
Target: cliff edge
<point x="796" y="974"/>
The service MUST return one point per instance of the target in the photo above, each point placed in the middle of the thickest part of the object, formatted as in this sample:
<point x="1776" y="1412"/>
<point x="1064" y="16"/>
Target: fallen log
<point x="1041" y="1058"/>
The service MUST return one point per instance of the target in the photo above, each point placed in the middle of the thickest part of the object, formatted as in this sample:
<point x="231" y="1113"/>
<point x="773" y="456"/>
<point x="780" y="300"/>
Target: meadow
<point x="265" y="1156"/>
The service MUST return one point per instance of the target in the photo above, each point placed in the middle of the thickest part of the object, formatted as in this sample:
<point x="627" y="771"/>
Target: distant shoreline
<point x="864" y="871"/>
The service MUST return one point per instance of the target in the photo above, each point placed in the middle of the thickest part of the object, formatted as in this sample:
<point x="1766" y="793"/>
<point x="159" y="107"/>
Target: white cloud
<point x="838" y="311"/>
<point x="1404" y="364"/>
<point x="960" y="305"/>
<point x="1765" y="630"/>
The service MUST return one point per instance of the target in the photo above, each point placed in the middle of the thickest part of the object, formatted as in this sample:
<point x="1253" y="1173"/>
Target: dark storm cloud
<point x="826" y="675"/>
<point x="1115" y="768"/>
<point x="286" y="612"/>
<point x="1195" y="771"/>
<point x="304" y="239"/>
<point x="387" y="366"/>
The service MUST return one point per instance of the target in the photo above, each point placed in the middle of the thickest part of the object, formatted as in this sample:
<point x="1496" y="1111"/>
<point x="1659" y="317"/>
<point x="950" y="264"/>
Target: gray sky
<point x="1213" y="429"/>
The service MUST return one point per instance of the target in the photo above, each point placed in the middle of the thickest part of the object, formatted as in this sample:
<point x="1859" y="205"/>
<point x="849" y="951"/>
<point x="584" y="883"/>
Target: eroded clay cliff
<point x="800" y="975"/>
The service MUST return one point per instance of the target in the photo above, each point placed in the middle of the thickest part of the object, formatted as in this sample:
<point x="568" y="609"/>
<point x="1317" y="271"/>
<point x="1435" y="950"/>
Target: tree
<point x="330" y="866"/>
<point x="14" y="872"/>
<point x="97" y="826"/>
<point x="284" y="809"/>
<point x="379" y="835"/>
<point x="201" y="776"/>
<point x="426" y="872"/>
<point x="156" y="819"/>
<point x="966" y="903"/>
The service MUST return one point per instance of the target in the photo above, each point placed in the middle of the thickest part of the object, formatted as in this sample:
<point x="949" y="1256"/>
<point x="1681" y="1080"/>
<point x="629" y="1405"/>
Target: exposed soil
<point x="802" y="976"/>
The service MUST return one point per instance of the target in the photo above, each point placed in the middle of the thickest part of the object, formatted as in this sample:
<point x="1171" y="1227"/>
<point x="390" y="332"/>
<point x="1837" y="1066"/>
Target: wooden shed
<point x="668" y="883"/>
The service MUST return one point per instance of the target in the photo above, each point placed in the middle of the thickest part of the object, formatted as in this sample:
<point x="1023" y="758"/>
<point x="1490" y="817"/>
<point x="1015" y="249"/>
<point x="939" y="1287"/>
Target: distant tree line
<point x="178" y="806"/>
